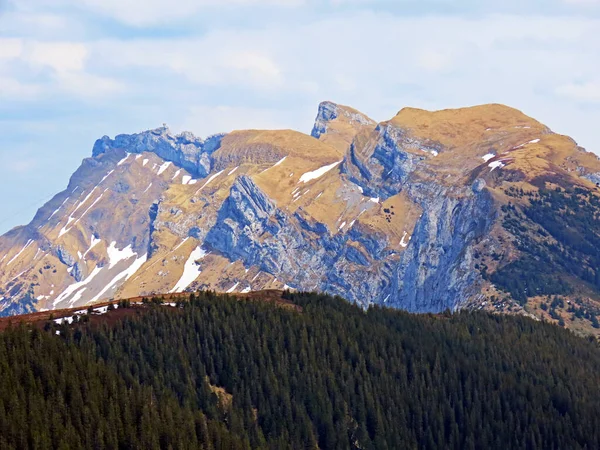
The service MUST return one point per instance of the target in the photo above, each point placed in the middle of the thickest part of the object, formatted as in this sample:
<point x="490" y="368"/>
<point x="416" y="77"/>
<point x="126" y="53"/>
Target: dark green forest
<point x="558" y="233"/>
<point x="330" y="376"/>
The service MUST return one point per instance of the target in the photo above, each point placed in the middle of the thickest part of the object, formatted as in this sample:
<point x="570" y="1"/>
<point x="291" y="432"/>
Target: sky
<point x="72" y="71"/>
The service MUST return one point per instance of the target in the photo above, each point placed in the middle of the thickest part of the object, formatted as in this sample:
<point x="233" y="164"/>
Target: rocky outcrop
<point x="436" y="271"/>
<point x="303" y="254"/>
<point x="329" y="111"/>
<point x="185" y="149"/>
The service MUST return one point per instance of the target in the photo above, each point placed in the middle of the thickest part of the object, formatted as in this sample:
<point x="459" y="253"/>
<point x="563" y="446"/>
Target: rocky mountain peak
<point x="338" y="125"/>
<point x="185" y="150"/>
<point x="420" y="212"/>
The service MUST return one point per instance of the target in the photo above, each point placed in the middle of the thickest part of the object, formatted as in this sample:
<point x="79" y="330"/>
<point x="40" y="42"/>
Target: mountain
<point x="306" y="371"/>
<point x="481" y="208"/>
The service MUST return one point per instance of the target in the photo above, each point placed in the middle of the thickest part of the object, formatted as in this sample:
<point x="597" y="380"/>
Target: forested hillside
<point x="221" y="373"/>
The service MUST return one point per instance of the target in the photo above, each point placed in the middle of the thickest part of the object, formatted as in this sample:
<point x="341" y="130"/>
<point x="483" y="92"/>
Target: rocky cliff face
<point x="397" y="213"/>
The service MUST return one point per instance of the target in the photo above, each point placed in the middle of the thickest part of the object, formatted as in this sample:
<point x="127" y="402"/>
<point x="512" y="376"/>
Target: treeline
<point x="220" y="373"/>
<point x="558" y="233"/>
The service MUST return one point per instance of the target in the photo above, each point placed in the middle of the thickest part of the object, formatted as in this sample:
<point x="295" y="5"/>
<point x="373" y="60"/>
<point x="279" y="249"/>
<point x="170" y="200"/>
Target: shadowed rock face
<point x="391" y="213"/>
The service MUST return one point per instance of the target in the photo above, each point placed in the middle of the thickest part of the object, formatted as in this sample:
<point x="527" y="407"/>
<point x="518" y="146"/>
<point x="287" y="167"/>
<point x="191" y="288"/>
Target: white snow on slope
<point x="18" y="254"/>
<point x="535" y="141"/>
<point x="123" y="276"/>
<point x="94" y="241"/>
<point x="124" y="159"/>
<point x="87" y="197"/>
<point x="106" y="176"/>
<point x="232" y="288"/>
<point x="232" y="171"/>
<point x="71" y="289"/>
<point x="487" y="157"/>
<point x="374" y="199"/>
<point x="64" y="229"/>
<point x="210" y="179"/>
<point x="91" y="206"/>
<point x="495" y="165"/>
<point x="163" y="167"/>
<point x="181" y="243"/>
<point x="149" y="186"/>
<point x="191" y="270"/>
<point x="115" y="255"/>
<point x="402" y="243"/>
<point x="176" y="174"/>
<point x="275" y="165"/>
<point x="103" y="309"/>
<point x="185" y="179"/>
<point x="308" y="176"/>
<point x="58" y="209"/>
<point x="144" y="162"/>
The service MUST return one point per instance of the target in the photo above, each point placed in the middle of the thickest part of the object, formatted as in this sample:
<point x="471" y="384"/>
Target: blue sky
<point x="74" y="70"/>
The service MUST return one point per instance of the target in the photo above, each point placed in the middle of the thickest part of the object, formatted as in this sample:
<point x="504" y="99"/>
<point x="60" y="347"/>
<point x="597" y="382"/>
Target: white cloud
<point x="582" y="2"/>
<point x="581" y="92"/>
<point x="61" y="56"/>
<point x="13" y="89"/>
<point x="22" y="165"/>
<point x="434" y="60"/>
<point x="151" y="12"/>
<point x="258" y="67"/>
<point x="88" y="86"/>
<point x="207" y="120"/>
<point x="10" y="48"/>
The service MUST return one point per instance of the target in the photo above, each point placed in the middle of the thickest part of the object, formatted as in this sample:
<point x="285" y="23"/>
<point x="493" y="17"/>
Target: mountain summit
<point x="463" y="208"/>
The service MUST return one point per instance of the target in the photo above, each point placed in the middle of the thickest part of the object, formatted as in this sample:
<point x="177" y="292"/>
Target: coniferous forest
<point x="221" y="373"/>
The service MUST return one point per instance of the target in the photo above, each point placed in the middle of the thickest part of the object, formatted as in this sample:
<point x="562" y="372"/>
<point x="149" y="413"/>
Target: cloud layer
<point x="73" y="71"/>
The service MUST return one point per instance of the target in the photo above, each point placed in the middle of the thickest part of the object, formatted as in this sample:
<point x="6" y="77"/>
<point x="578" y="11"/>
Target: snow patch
<point x="163" y="167"/>
<point x="374" y="199"/>
<point x="210" y="179"/>
<point x="308" y="176"/>
<point x="144" y="162"/>
<point x="487" y="157"/>
<point x="58" y="209"/>
<point x="534" y="141"/>
<point x="70" y="290"/>
<point x="115" y="255"/>
<point x="402" y="243"/>
<point x="496" y="165"/>
<point x="124" y="159"/>
<point x="94" y="241"/>
<point x="232" y="288"/>
<point x="185" y="179"/>
<point x="124" y="275"/>
<point x="191" y="270"/>
<point x="18" y="254"/>
<point x="181" y="243"/>
<point x="106" y="176"/>
<point x="232" y="171"/>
